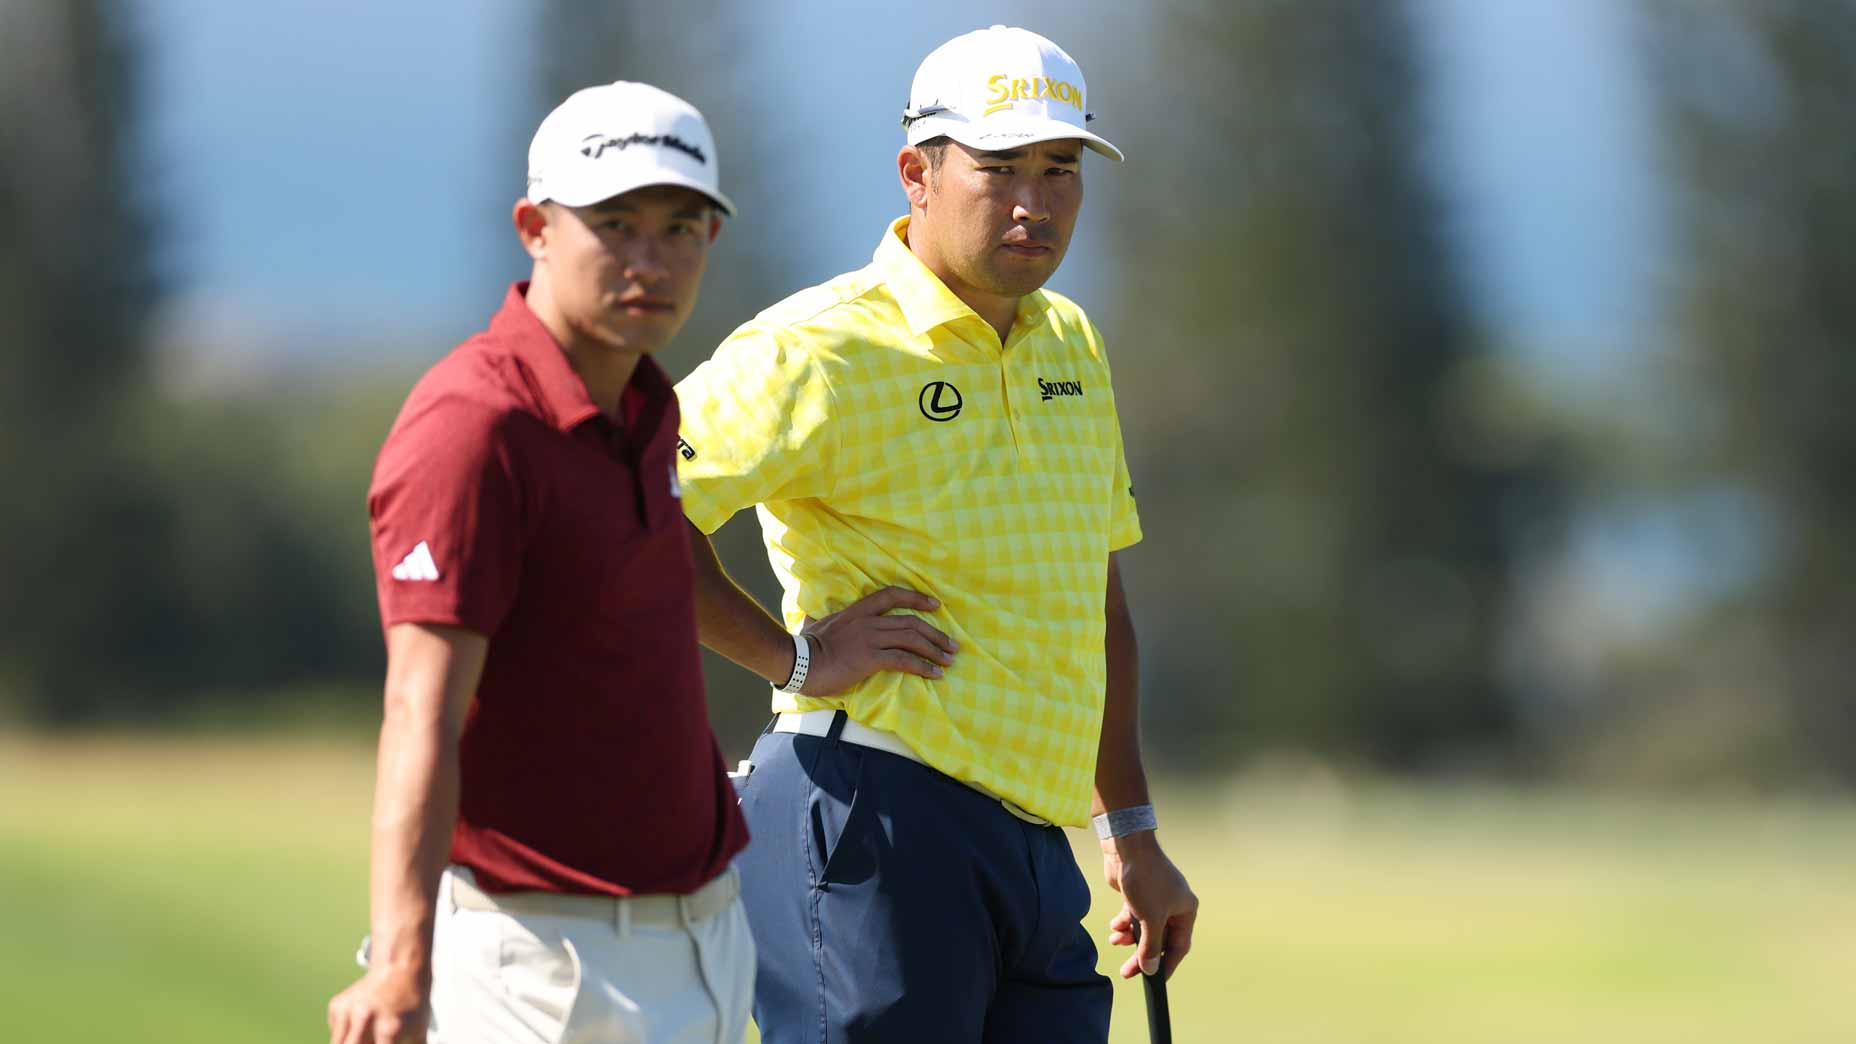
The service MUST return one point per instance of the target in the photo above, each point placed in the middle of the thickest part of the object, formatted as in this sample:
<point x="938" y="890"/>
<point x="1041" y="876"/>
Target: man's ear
<point x="912" y="169"/>
<point x="715" y="225"/>
<point x="531" y="222"/>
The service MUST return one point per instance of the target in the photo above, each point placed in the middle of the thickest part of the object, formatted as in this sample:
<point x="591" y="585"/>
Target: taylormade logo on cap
<point x="608" y="140"/>
<point x="999" y="88"/>
<point x="596" y="145"/>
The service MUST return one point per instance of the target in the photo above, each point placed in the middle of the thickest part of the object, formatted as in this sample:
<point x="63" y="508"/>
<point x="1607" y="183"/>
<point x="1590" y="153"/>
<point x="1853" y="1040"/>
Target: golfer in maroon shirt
<point x="553" y="825"/>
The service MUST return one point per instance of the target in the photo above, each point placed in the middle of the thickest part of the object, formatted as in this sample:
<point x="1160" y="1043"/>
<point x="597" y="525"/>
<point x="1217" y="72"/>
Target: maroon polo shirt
<point x="506" y="503"/>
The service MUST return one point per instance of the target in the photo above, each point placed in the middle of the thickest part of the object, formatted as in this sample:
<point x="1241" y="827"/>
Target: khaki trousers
<point x="533" y="969"/>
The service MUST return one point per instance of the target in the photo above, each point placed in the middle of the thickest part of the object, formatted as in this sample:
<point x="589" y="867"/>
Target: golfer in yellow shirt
<point x="937" y="422"/>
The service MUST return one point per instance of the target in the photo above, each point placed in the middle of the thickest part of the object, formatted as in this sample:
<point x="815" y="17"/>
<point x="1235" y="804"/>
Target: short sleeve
<point x="756" y="427"/>
<point x="445" y="510"/>
<point x="1124" y="518"/>
<point x="1124" y="527"/>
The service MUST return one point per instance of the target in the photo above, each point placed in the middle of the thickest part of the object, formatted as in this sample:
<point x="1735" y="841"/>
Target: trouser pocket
<point x="498" y="980"/>
<point x="539" y="972"/>
<point x="837" y="847"/>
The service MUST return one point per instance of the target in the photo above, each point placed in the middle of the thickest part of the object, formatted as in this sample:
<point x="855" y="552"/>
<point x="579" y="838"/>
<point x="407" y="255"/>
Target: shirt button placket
<point x="1012" y="414"/>
<point x="1011" y="407"/>
<point x="621" y="453"/>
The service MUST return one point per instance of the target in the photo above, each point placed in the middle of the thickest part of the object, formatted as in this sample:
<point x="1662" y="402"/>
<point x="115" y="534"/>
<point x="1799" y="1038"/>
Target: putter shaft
<point x="1159" y="1019"/>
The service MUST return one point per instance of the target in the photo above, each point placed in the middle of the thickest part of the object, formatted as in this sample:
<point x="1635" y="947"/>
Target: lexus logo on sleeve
<point x="940" y="401"/>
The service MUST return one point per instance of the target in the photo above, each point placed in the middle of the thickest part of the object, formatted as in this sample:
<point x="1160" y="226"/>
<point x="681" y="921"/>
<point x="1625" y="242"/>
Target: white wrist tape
<point x="1124" y="821"/>
<point x="802" y="662"/>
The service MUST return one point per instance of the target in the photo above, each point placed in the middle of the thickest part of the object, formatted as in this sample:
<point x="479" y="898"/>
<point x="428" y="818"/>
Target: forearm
<point x="1121" y="781"/>
<point x="731" y="622"/>
<point x="415" y="811"/>
<point x="1154" y="892"/>
<point x="432" y="675"/>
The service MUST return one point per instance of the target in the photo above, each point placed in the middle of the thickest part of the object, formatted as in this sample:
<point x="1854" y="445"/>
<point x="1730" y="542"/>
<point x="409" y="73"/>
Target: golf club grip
<point x="1159" y="1019"/>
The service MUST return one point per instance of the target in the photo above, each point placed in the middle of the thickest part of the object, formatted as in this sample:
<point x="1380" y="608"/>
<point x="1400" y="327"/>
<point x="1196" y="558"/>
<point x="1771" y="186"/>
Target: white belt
<point x="623" y="911"/>
<point x="818" y="723"/>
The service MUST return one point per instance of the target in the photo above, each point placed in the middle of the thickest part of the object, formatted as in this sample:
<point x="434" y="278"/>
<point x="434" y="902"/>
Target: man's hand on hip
<point x="860" y="640"/>
<point x="382" y="1007"/>
<point x="1154" y="892"/>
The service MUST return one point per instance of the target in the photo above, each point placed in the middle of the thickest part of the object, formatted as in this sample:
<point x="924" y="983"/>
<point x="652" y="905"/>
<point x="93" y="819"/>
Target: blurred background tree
<point x="1761" y="148"/>
<point x="77" y="288"/>
<point x="156" y="555"/>
<point x="1337" y="488"/>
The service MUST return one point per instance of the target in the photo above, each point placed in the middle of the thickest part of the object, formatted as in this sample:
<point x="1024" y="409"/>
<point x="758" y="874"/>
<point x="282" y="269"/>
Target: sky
<point x="320" y="161"/>
<point x="332" y="166"/>
<point x="1544" y="135"/>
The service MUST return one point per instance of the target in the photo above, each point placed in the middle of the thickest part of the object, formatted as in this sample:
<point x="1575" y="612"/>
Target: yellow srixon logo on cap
<point x="1006" y="90"/>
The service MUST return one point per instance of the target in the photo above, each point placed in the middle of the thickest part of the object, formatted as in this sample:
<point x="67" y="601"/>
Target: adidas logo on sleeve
<point x="417" y="566"/>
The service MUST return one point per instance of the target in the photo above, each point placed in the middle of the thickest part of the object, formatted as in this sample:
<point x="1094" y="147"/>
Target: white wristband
<point x="802" y="662"/>
<point x="1124" y="821"/>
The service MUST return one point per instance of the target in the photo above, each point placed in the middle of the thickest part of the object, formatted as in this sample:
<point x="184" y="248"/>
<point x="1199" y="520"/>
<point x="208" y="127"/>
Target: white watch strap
<point x="1124" y="821"/>
<point x="802" y="663"/>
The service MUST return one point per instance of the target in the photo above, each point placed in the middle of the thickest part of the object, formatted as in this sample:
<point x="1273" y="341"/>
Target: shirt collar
<point x="926" y="302"/>
<point x="559" y="391"/>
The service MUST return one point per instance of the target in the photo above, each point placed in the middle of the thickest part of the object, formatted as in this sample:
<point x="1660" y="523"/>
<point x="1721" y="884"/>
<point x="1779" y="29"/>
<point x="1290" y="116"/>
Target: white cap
<point x="621" y="136"/>
<point x="999" y="88"/>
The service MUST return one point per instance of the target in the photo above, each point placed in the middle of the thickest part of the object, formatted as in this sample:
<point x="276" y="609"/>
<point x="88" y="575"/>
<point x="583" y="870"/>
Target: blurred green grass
<point x="212" y="889"/>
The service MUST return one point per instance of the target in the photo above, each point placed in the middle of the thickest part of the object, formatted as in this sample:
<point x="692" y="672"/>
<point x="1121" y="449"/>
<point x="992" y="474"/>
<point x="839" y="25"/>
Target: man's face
<point x="1001" y="221"/>
<point x="625" y="272"/>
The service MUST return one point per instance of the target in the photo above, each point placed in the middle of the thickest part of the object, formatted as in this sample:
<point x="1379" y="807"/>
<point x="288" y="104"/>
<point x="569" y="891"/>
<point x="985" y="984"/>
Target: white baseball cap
<point x="621" y="136"/>
<point x="999" y="88"/>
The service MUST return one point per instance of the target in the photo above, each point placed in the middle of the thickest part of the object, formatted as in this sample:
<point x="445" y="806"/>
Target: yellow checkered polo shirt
<point x="889" y="439"/>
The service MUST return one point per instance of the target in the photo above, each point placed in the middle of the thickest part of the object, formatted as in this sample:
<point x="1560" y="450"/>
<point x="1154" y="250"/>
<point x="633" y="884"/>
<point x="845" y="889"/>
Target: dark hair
<point x="934" y="150"/>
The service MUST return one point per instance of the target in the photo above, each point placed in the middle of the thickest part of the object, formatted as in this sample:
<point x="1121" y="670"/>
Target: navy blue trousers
<point x="891" y="903"/>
